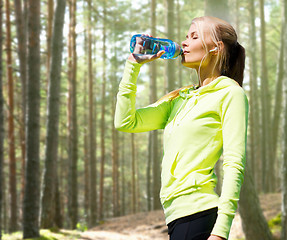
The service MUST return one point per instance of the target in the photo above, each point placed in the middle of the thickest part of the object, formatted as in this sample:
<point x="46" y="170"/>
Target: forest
<point x="62" y="162"/>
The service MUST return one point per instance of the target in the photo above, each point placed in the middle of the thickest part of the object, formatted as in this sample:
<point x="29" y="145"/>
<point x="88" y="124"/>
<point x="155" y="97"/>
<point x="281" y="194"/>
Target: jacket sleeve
<point x="234" y="117"/>
<point x="130" y="119"/>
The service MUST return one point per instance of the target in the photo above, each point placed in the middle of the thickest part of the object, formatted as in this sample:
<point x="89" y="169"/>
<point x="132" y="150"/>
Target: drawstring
<point x="194" y="96"/>
<point x="185" y="95"/>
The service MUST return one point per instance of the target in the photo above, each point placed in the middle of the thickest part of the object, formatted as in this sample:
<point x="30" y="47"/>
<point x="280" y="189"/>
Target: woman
<point x="199" y="124"/>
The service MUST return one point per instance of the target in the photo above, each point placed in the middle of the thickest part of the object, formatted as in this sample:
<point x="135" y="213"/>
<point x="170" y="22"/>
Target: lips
<point x="185" y="52"/>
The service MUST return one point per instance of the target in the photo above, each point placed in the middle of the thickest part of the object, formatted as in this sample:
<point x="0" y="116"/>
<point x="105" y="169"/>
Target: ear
<point x="220" y="46"/>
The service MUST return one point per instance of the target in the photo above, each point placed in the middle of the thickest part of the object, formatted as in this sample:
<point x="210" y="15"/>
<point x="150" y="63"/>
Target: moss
<point x="46" y="235"/>
<point x="275" y="222"/>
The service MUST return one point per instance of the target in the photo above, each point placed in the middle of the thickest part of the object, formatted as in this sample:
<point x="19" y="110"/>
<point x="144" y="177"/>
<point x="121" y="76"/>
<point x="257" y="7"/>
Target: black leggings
<point x="194" y="227"/>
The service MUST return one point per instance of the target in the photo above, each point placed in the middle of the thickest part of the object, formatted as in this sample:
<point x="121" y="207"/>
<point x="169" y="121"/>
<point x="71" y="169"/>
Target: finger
<point x="160" y="53"/>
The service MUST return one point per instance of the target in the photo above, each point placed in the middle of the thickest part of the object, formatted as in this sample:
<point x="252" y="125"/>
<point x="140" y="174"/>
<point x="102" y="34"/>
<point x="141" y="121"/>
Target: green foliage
<point x="46" y="235"/>
<point x="275" y="222"/>
<point x="82" y="227"/>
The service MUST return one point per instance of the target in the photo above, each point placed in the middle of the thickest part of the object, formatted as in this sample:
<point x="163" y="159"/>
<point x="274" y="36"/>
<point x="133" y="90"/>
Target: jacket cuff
<point x="222" y="225"/>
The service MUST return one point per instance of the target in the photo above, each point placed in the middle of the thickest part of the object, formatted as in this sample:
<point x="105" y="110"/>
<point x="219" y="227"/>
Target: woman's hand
<point x="140" y="49"/>
<point x="213" y="237"/>
<point x="144" y="58"/>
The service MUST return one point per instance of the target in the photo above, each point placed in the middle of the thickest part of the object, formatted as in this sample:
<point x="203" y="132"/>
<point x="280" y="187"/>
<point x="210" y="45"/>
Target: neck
<point x="207" y="77"/>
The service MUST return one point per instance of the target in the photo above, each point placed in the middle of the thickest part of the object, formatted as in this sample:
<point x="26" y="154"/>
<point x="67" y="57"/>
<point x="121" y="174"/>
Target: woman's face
<point x="193" y="49"/>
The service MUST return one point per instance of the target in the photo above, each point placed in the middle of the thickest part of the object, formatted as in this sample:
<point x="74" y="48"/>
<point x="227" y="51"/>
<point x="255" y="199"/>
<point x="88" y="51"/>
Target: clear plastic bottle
<point x="141" y="44"/>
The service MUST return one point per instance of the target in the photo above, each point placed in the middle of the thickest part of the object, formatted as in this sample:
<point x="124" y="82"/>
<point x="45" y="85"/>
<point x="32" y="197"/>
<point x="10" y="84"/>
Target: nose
<point x="184" y="44"/>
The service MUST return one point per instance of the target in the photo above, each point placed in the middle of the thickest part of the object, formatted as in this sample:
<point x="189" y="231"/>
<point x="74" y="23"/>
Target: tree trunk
<point x="284" y="150"/>
<point x="58" y="217"/>
<point x="86" y="150"/>
<point x="21" y="27"/>
<point x="284" y="175"/>
<point x="153" y="145"/>
<point x="133" y="177"/>
<point x="267" y="159"/>
<point x="115" y="164"/>
<point x="49" y="32"/>
<point x="91" y="133"/>
<point x="73" y="128"/>
<point x="32" y="186"/>
<point x="253" y="221"/>
<point x="148" y="173"/>
<point x="1" y="126"/>
<point x="51" y="151"/>
<point x="11" y="137"/>
<point x="115" y="133"/>
<point x="254" y="105"/>
<point x="178" y="17"/>
<point x="170" y="35"/>
<point x="103" y="109"/>
<point x="278" y="101"/>
<point x="123" y="176"/>
<point x="217" y="8"/>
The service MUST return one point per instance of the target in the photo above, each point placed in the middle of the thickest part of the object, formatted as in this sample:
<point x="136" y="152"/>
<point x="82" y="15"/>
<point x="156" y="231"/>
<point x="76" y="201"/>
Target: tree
<point x="277" y="110"/>
<point x="153" y="145"/>
<point x="21" y="27"/>
<point x="11" y="137"/>
<point x="284" y="176"/>
<point x="32" y="186"/>
<point x="133" y="171"/>
<point x="1" y="124"/>
<point x="170" y="35"/>
<point x="72" y="121"/>
<point x="51" y="152"/>
<point x="103" y="93"/>
<point x="284" y="162"/>
<point x="268" y="170"/>
<point x="123" y="176"/>
<point x="91" y="132"/>
<point x="253" y="221"/>
<point x="217" y="8"/>
<point x="50" y="6"/>
<point x="115" y="134"/>
<point x="254" y="108"/>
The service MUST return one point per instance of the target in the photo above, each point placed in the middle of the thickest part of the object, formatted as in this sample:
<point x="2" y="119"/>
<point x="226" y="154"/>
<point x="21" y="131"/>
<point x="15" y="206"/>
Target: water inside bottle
<point x="147" y="45"/>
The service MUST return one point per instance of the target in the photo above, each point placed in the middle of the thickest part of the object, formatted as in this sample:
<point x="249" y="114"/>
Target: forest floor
<point x="151" y="225"/>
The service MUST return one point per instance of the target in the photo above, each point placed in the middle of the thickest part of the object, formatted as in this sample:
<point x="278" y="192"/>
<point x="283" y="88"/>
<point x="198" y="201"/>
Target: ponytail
<point x="234" y="62"/>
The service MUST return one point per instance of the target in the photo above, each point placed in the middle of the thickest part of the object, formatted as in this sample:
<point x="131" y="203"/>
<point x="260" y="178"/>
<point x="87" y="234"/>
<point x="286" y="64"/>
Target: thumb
<point x="160" y="53"/>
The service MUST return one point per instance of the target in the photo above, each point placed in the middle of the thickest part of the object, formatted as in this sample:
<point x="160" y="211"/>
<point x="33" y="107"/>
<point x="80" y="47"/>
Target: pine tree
<point x="32" y="186"/>
<point x="51" y="151"/>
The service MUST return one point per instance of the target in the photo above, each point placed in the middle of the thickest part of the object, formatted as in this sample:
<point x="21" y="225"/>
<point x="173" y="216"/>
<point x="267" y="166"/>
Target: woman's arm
<point x="213" y="237"/>
<point x="127" y="118"/>
<point x="234" y="117"/>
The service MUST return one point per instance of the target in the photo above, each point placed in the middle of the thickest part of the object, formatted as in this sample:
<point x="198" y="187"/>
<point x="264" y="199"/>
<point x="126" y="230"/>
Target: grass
<point x="46" y="235"/>
<point x="275" y="226"/>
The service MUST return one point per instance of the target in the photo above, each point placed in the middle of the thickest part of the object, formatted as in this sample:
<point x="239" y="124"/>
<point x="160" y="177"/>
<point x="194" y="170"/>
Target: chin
<point x="187" y="64"/>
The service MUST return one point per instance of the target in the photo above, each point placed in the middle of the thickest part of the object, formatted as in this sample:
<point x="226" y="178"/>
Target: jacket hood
<point x="215" y="85"/>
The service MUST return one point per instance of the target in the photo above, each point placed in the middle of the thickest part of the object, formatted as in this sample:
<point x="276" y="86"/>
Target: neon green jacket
<point x="198" y="126"/>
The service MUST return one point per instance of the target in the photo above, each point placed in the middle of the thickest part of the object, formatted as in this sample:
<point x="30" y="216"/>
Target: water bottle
<point x="141" y="44"/>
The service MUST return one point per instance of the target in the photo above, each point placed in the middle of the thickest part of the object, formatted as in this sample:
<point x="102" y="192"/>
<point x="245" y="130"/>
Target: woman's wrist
<point x="215" y="237"/>
<point x="132" y="58"/>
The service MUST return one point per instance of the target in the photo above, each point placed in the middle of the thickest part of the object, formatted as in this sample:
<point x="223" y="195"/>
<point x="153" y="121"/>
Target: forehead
<point x="193" y="28"/>
<point x="198" y="27"/>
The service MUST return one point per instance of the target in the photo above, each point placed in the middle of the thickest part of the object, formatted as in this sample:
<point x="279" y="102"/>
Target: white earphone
<point x="213" y="50"/>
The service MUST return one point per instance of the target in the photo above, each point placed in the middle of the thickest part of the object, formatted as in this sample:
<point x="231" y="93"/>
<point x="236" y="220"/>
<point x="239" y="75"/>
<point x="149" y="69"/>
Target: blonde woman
<point x="200" y="123"/>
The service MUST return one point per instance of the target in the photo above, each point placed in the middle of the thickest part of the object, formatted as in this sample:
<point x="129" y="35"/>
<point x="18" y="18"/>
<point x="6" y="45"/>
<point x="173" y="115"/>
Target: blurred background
<point x="63" y="164"/>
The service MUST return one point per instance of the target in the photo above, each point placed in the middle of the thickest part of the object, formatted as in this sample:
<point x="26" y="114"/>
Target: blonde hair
<point x="231" y="61"/>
